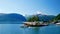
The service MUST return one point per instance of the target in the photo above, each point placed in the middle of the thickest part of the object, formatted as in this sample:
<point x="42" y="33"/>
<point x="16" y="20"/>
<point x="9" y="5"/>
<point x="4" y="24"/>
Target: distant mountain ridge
<point x="12" y="17"/>
<point x="43" y="17"/>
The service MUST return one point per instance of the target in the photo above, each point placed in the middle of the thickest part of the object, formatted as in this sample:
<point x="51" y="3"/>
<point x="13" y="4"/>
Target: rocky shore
<point x="34" y="24"/>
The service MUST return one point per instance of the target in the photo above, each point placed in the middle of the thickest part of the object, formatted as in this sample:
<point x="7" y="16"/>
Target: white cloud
<point x="40" y="12"/>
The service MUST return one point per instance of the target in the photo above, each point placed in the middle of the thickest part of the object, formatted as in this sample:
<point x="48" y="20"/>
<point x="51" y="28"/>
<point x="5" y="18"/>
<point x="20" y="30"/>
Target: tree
<point x="33" y="18"/>
<point x="56" y="18"/>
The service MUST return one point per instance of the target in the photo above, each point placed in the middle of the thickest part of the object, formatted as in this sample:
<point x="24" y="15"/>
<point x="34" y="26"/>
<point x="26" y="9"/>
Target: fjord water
<point x="16" y="29"/>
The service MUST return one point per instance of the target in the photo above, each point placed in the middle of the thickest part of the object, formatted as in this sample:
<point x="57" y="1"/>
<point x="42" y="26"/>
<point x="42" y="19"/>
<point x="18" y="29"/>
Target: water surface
<point x="16" y="29"/>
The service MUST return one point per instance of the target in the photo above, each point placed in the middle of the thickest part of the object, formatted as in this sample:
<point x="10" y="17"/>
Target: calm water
<point x="16" y="29"/>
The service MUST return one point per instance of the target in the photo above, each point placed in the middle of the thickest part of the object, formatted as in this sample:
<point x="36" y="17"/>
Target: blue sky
<point x="28" y="7"/>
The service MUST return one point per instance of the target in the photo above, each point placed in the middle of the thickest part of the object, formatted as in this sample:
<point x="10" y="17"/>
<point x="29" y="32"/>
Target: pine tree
<point x="33" y="18"/>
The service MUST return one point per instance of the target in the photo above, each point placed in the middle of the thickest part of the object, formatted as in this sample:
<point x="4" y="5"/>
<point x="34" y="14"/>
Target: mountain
<point x="12" y="17"/>
<point x="43" y="17"/>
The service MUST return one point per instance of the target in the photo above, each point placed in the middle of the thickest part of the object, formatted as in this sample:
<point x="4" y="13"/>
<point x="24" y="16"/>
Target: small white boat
<point x="58" y="23"/>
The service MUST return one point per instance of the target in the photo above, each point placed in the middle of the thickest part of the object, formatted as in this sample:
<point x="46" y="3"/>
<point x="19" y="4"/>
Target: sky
<point x="29" y="7"/>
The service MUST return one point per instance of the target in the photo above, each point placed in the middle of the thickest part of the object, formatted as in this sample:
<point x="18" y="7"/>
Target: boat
<point x="58" y="23"/>
<point x="34" y="24"/>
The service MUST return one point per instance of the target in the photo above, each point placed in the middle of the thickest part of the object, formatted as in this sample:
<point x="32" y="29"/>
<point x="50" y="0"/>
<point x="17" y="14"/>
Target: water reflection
<point x="33" y="30"/>
<point x="36" y="30"/>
